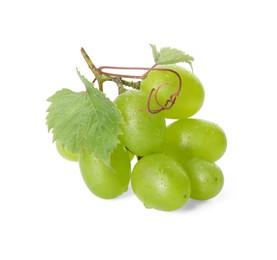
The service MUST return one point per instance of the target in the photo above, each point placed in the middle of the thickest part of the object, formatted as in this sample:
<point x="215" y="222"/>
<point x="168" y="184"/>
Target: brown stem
<point x="102" y="76"/>
<point x="169" y="102"/>
<point x="126" y="68"/>
<point x="92" y="67"/>
<point x="123" y="75"/>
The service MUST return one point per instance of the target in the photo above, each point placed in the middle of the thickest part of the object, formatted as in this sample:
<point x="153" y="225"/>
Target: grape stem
<point x="101" y="77"/>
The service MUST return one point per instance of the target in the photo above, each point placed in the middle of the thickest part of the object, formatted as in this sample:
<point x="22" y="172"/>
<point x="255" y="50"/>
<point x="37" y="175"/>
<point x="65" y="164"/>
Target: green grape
<point x="160" y="182"/>
<point x="104" y="181"/>
<point x="66" y="154"/>
<point x="143" y="132"/>
<point x="131" y="155"/>
<point x="206" y="178"/>
<point x="190" y="98"/>
<point x="188" y="138"/>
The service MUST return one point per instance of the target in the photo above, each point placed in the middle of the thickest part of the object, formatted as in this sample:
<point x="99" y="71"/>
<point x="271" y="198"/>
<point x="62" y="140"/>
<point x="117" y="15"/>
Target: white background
<point x="46" y="211"/>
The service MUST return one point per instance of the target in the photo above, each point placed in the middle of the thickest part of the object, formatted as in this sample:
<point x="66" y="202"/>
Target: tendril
<point x="125" y="68"/>
<point x="102" y="76"/>
<point x="156" y="95"/>
<point x="154" y="92"/>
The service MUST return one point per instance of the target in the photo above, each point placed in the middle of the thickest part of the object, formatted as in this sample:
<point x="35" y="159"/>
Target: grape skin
<point x="104" y="181"/>
<point x="188" y="138"/>
<point x="206" y="178"/>
<point x="160" y="182"/>
<point x="190" y="99"/>
<point x="143" y="132"/>
<point x="74" y="157"/>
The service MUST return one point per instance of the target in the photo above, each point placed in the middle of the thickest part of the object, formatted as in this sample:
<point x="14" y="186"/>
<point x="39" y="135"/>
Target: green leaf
<point x="84" y="121"/>
<point x="169" y="55"/>
<point x="155" y="53"/>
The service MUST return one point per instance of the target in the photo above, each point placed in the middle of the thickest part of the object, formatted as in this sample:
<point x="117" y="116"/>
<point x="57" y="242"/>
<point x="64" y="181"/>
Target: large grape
<point x="187" y="138"/>
<point x="160" y="182"/>
<point x="66" y="154"/>
<point x="104" y="181"/>
<point x="143" y="132"/>
<point x="206" y="178"/>
<point x="190" y="98"/>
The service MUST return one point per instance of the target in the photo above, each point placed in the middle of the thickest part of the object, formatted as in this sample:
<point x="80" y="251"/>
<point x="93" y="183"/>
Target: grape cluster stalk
<point x="117" y="78"/>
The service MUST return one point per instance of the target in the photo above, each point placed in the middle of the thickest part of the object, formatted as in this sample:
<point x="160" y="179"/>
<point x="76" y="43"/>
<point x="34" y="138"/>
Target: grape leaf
<point x="155" y="53"/>
<point x="169" y="55"/>
<point x="84" y="121"/>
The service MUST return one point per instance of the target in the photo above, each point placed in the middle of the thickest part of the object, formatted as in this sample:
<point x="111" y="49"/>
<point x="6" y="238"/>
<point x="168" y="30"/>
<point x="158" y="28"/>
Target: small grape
<point x="104" y="181"/>
<point x="143" y="132"/>
<point x="160" y="182"/>
<point x="206" y="178"/>
<point x="189" y="100"/>
<point x="74" y="157"/>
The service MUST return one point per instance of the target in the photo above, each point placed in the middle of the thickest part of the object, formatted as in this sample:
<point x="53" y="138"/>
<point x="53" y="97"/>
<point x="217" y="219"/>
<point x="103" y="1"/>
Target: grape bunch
<point x="174" y="154"/>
